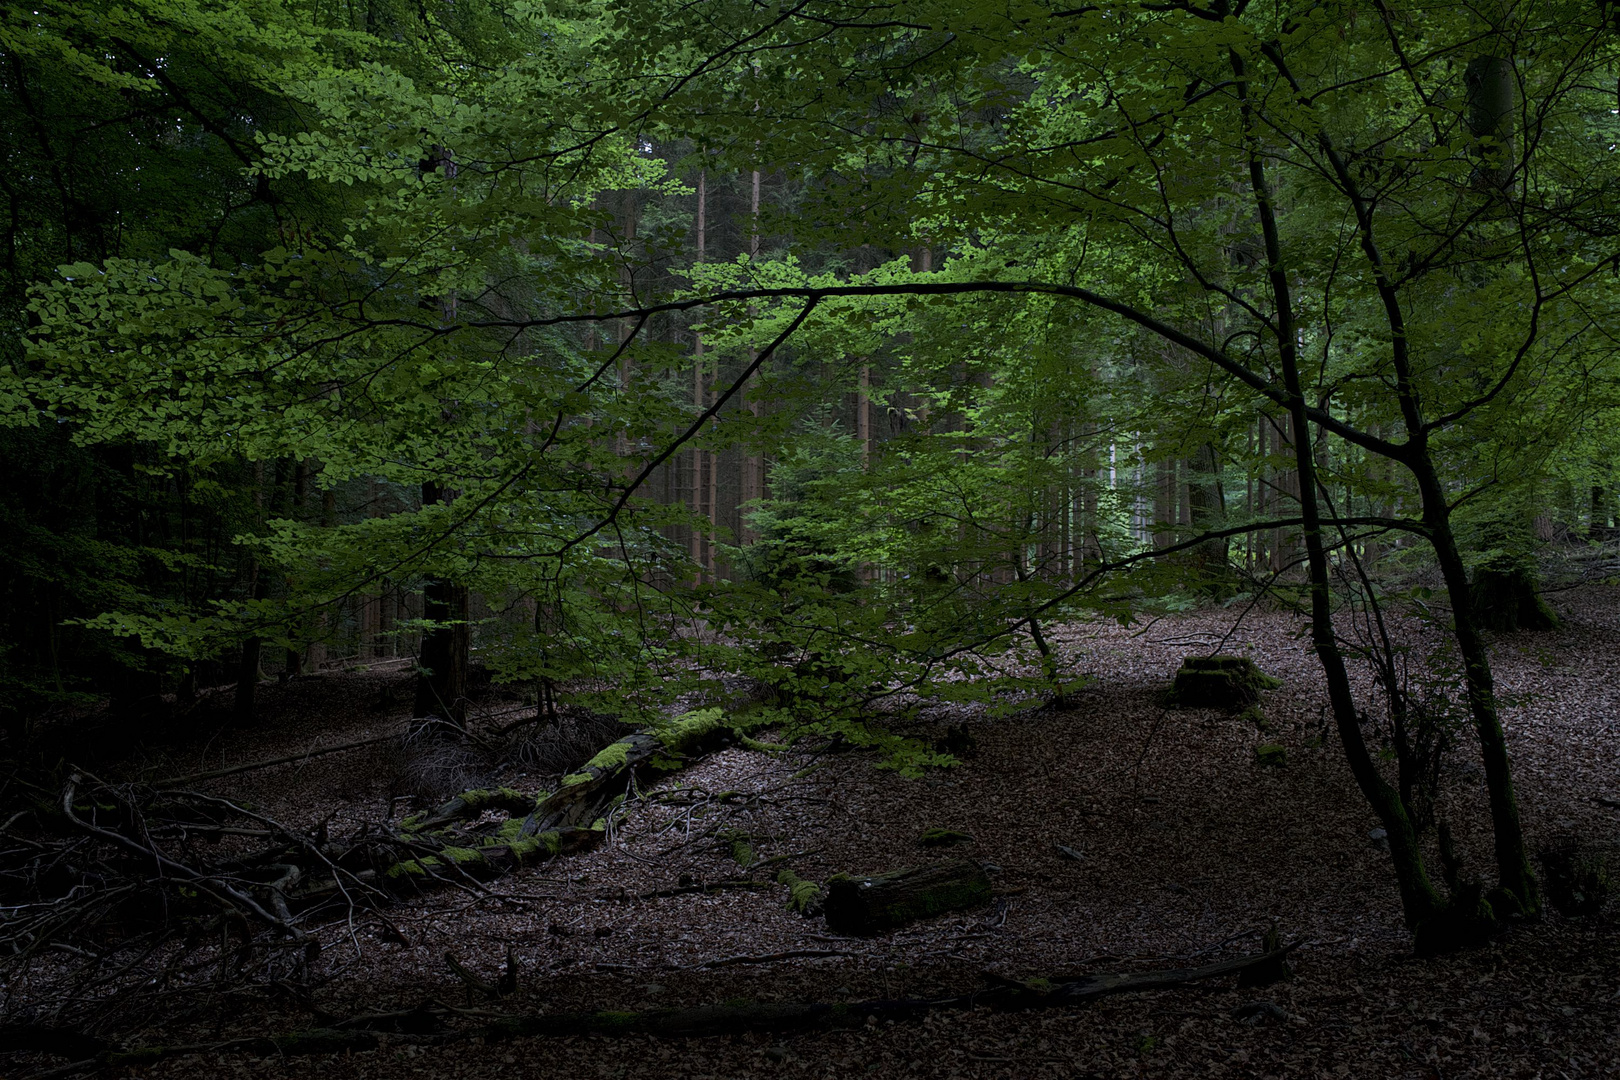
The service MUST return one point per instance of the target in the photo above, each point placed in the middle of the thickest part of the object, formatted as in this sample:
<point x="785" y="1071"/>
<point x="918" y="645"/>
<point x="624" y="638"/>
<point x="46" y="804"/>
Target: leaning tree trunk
<point x="1517" y="878"/>
<point x="1424" y="909"/>
<point x="441" y="683"/>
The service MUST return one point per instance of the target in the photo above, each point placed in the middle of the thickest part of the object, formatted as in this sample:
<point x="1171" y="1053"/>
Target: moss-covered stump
<point x="871" y="905"/>
<point x="1505" y="599"/>
<point x="1219" y="682"/>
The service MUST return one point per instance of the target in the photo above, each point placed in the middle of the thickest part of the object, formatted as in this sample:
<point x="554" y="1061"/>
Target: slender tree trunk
<point x="1492" y="92"/>
<point x="753" y="475"/>
<point x="699" y="398"/>
<point x="1419" y="900"/>
<point x="441" y="682"/>
<point x="1512" y="860"/>
<point x="247" y="673"/>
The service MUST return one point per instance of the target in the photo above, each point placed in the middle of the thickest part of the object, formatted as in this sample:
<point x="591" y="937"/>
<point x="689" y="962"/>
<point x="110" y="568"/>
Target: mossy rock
<point x="1219" y="682"/>
<point x="1274" y="755"/>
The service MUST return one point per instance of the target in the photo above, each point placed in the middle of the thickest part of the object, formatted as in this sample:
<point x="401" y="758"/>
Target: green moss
<point x="1254" y="716"/>
<point x="412" y="867"/>
<point x="575" y="778"/>
<point x="760" y="746"/>
<point x="943" y="837"/>
<point x="803" y="896"/>
<point x="1272" y="754"/>
<point x="511" y="829"/>
<point x="1039" y="985"/>
<point x="522" y="849"/>
<point x="461" y="854"/>
<point x="686" y="730"/>
<point x="613" y="1019"/>
<point x="412" y="823"/>
<point x="610" y="757"/>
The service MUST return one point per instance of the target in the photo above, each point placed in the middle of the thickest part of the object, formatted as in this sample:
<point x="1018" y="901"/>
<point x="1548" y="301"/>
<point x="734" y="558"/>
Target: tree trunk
<point x="247" y="672"/>
<point x="1492" y="99"/>
<point x="1206" y="509"/>
<point x="441" y="682"/>
<point x="1512" y="860"/>
<point x="245" y="704"/>
<point x="699" y="396"/>
<point x="1421" y="904"/>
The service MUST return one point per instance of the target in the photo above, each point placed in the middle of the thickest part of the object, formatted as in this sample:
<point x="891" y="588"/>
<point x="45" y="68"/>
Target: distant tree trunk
<point x="1165" y="502"/>
<point x="247" y="672"/>
<point x="1492" y="89"/>
<point x="1206" y="505"/>
<point x="294" y="663"/>
<point x="441" y="682"/>
<point x="699" y="397"/>
<point x="753" y="474"/>
<point x="247" y="679"/>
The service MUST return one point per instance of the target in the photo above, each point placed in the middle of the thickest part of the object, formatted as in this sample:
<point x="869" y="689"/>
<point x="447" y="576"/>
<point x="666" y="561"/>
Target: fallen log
<point x="585" y="795"/>
<point x="698" y="1021"/>
<point x="870" y="905"/>
<point x="111" y="836"/>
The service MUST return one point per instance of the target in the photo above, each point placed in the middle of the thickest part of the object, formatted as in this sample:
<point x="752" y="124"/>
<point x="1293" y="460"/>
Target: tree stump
<point x="1219" y="682"/>
<point x="870" y="905"/>
<point x="1505" y="599"/>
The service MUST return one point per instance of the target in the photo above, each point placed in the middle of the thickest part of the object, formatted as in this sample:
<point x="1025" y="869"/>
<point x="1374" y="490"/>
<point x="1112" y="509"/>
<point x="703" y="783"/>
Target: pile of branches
<point x="117" y="896"/>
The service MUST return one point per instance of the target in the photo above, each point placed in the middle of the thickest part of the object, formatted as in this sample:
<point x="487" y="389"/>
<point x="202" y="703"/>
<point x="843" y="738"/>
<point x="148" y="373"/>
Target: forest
<point x="721" y="538"/>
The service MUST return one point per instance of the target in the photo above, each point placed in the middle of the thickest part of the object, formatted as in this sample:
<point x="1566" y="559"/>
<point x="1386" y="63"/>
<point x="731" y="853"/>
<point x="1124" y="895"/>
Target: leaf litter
<point x="1124" y="835"/>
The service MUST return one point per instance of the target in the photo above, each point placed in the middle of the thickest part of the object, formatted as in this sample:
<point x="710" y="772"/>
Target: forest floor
<point x="1189" y="850"/>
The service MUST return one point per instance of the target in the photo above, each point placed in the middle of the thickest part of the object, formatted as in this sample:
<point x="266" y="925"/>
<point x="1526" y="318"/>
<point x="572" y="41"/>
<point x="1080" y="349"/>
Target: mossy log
<point x="870" y="905"/>
<point x="1219" y="682"/>
<point x="470" y="804"/>
<point x="542" y="827"/>
<point x="587" y="794"/>
<point x="492" y="858"/>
